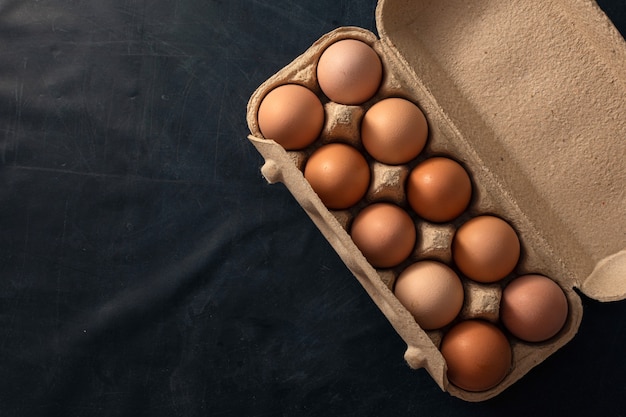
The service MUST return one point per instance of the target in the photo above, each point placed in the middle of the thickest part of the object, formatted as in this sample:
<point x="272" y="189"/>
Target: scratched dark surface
<point x="147" y="269"/>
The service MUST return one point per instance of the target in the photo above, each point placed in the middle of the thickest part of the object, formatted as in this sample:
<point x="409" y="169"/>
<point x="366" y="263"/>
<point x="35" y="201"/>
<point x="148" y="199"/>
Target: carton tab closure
<point x="607" y="282"/>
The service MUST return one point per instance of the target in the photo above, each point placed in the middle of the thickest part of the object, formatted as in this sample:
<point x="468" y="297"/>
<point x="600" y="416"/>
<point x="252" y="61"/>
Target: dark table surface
<point x="147" y="269"/>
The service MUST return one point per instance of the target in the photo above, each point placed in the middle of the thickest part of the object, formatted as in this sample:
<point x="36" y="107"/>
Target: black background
<point x="147" y="269"/>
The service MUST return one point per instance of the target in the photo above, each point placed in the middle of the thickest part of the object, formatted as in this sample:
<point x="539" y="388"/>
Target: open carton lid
<point x="536" y="91"/>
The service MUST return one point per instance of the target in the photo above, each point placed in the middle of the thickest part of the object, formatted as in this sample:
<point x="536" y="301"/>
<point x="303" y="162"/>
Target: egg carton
<point x="422" y="64"/>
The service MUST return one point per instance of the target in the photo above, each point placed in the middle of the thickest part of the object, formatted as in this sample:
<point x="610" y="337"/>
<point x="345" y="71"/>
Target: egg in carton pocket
<point x="422" y="156"/>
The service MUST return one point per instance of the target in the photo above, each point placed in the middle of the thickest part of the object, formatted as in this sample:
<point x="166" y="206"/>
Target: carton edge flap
<point x="607" y="281"/>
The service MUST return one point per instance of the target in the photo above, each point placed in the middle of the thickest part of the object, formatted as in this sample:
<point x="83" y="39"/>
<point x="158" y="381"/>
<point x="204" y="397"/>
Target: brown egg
<point x="339" y="174"/>
<point x="349" y="72"/>
<point x="384" y="233"/>
<point x="291" y="115"/>
<point x="439" y="189"/>
<point x="432" y="292"/>
<point x="478" y="355"/>
<point x="394" y="131"/>
<point x="485" y="249"/>
<point x="533" y="308"/>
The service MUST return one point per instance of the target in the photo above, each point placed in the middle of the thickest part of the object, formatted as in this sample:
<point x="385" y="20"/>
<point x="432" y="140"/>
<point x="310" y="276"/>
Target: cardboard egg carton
<point x="531" y="99"/>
